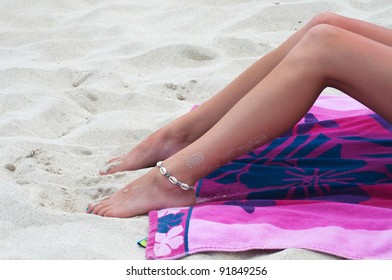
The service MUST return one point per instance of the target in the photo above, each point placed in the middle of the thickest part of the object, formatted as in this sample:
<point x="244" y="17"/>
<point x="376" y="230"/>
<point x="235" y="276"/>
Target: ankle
<point x="173" y="180"/>
<point x="179" y="133"/>
<point x="172" y="191"/>
<point x="177" y="168"/>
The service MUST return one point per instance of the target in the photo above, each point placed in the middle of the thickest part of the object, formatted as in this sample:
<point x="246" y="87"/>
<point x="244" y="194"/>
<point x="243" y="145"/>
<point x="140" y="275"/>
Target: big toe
<point x="112" y="166"/>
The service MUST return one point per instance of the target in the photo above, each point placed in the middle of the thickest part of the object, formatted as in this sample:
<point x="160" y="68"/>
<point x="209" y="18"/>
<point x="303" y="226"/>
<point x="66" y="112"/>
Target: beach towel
<point x="325" y="185"/>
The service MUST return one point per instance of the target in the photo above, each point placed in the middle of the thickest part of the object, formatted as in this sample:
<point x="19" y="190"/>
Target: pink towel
<point x="325" y="185"/>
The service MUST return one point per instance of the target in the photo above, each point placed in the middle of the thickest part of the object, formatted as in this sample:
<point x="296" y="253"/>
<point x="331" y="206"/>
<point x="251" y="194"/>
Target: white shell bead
<point x="163" y="170"/>
<point x="173" y="180"/>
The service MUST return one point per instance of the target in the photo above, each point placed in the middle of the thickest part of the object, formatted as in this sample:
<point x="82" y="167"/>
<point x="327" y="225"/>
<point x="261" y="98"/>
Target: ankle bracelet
<point x="173" y="179"/>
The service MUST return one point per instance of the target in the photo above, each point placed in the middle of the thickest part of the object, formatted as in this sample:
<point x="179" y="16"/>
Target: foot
<point x="149" y="192"/>
<point x="159" y="146"/>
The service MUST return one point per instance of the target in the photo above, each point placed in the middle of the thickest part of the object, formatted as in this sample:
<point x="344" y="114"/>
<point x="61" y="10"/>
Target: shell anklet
<point x="173" y="179"/>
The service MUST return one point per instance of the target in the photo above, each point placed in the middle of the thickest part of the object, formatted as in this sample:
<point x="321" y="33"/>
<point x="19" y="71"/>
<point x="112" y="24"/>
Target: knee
<point x="318" y="46"/>
<point x="323" y="32"/>
<point x="326" y="18"/>
<point x="322" y="35"/>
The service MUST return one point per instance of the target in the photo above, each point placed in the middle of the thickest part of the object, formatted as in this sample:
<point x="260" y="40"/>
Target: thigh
<point x="362" y="68"/>
<point x="363" y="28"/>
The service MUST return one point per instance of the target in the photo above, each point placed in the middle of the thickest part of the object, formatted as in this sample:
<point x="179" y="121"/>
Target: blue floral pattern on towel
<point x="306" y="166"/>
<point x="165" y="223"/>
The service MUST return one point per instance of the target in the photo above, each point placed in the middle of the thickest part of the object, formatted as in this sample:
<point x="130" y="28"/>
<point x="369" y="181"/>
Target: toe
<point x="97" y="208"/>
<point x="103" y="210"/>
<point x="112" y="166"/>
<point x="110" y="213"/>
<point x="117" y="213"/>
<point x="89" y="209"/>
<point x="92" y="206"/>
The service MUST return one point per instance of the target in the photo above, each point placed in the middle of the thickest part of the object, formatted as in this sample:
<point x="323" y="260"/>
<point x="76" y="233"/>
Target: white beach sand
<point x="83" y="81"/>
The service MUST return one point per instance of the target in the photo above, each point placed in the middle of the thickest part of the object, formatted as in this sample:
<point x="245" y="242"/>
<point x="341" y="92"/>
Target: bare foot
<point x="159" y="146"/>
<point x="149" y="192"/>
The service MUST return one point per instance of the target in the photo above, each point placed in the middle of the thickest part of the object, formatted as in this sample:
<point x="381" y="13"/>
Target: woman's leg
<point x="325" y="56"/>
<point x="183" y="131"/>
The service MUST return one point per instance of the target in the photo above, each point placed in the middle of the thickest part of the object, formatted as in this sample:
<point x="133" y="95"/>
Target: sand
<point x="83" y="81"/>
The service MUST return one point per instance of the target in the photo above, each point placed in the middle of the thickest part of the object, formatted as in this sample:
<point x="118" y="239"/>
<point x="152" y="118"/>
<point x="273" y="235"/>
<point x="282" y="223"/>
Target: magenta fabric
<point x="325" y="185"/>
